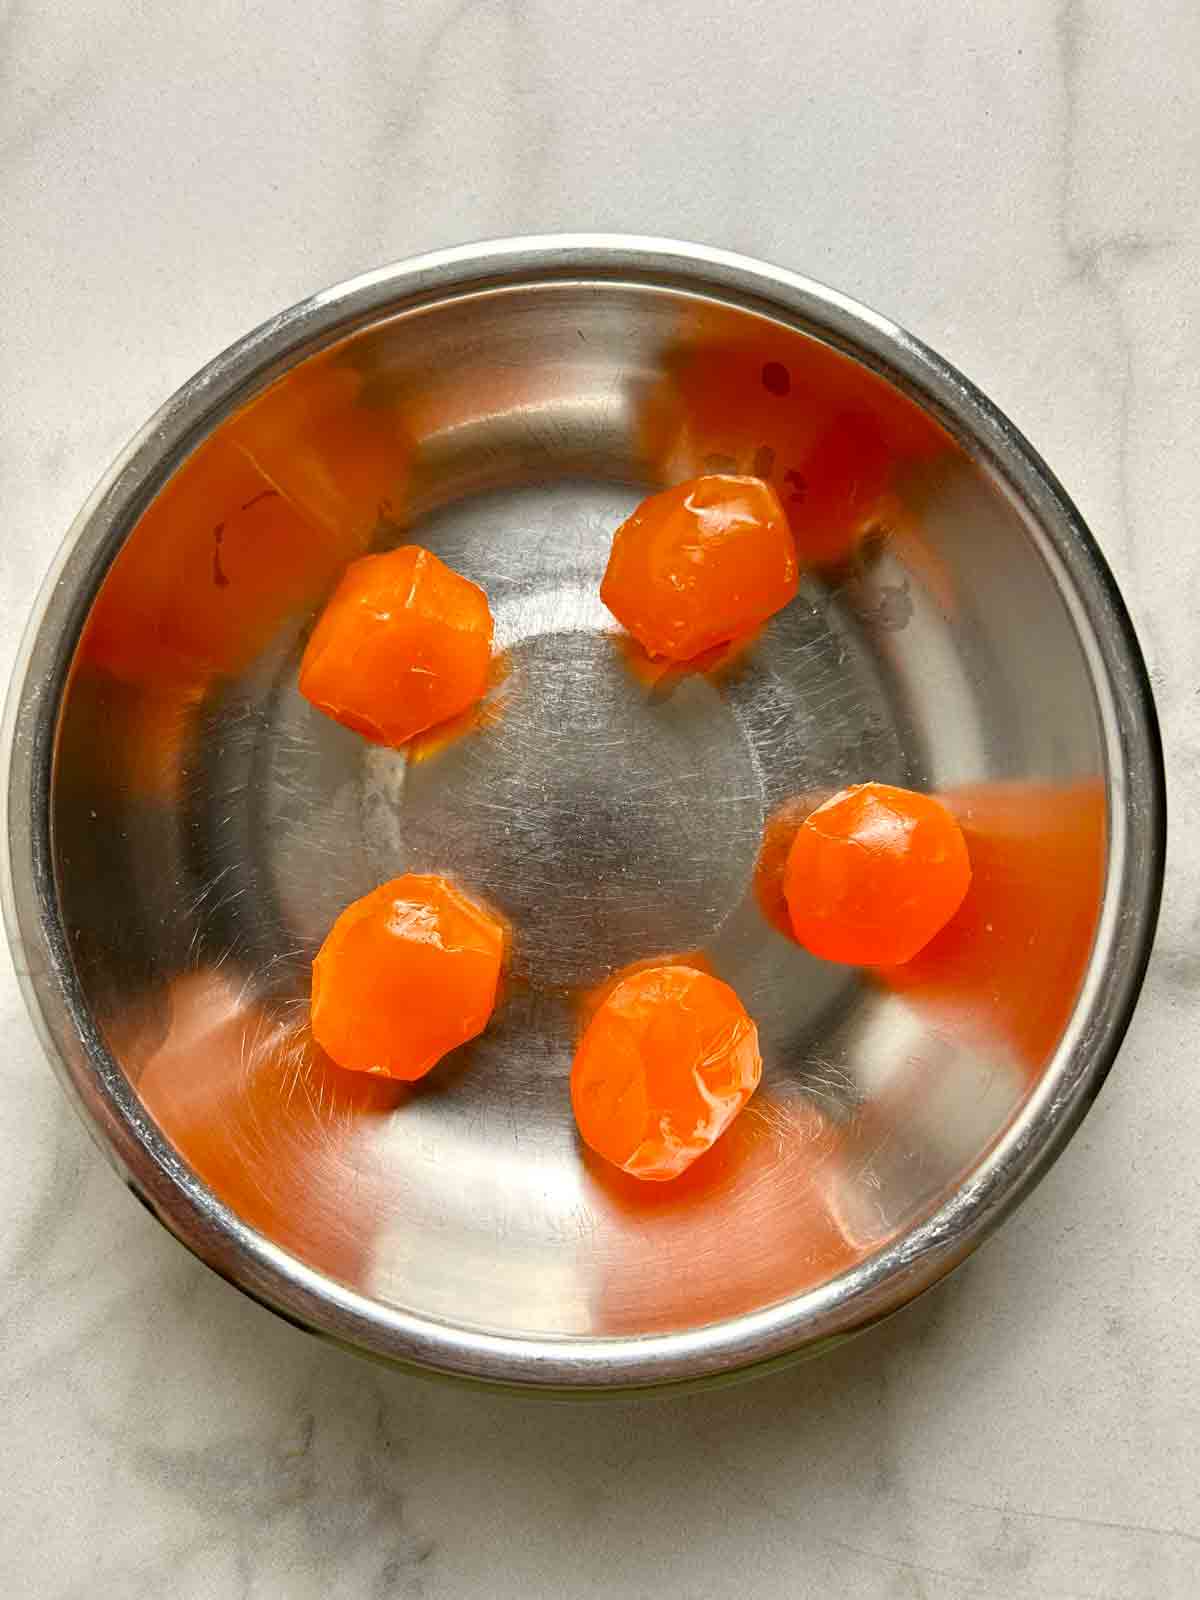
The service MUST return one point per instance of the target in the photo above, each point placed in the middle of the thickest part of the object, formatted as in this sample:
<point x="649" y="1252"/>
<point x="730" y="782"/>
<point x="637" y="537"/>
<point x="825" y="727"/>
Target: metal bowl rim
<point x="895" y="1273"/>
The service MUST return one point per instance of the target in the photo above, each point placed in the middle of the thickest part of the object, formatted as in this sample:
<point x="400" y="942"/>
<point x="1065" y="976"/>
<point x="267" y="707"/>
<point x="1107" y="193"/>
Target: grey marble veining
<point x="1018" y="185"/>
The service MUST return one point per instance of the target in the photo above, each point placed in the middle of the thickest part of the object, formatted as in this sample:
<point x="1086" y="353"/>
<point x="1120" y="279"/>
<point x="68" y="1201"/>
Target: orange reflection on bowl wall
<point x="249" y="532"/>
<point x="268" y="1122"/>
<point x="750" y="1214"/>
<point x="802" y="418"/>
<point x="341" y="458"/>
<point x="1012" y="960"/>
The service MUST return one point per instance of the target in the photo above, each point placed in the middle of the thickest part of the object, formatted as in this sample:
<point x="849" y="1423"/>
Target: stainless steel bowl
<point x="182" y="827"/>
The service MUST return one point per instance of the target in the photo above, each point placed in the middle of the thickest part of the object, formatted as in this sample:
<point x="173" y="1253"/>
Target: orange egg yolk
<point x="666" y="1064"/>
<point x="403" y="644"/>
<point x="406" y="974"/>
<point x="700" y="564"/>
<point x="874" y="873"/>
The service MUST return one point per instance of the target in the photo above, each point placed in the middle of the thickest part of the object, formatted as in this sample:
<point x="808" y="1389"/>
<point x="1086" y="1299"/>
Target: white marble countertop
<point x="1017" y="184"/>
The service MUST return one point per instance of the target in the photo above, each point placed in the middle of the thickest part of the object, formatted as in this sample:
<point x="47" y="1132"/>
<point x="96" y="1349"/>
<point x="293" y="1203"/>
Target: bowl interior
<point x="208" y="825"/>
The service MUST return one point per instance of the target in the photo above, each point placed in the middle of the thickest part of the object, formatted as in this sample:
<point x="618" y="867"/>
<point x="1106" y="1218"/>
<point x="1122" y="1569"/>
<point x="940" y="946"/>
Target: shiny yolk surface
<point x="699" y="564"/>
<point x="665" y="1065"/>
<point x="874" y="873"/>
<point x="403" y="644"/>
<point x="406" y="973"/>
